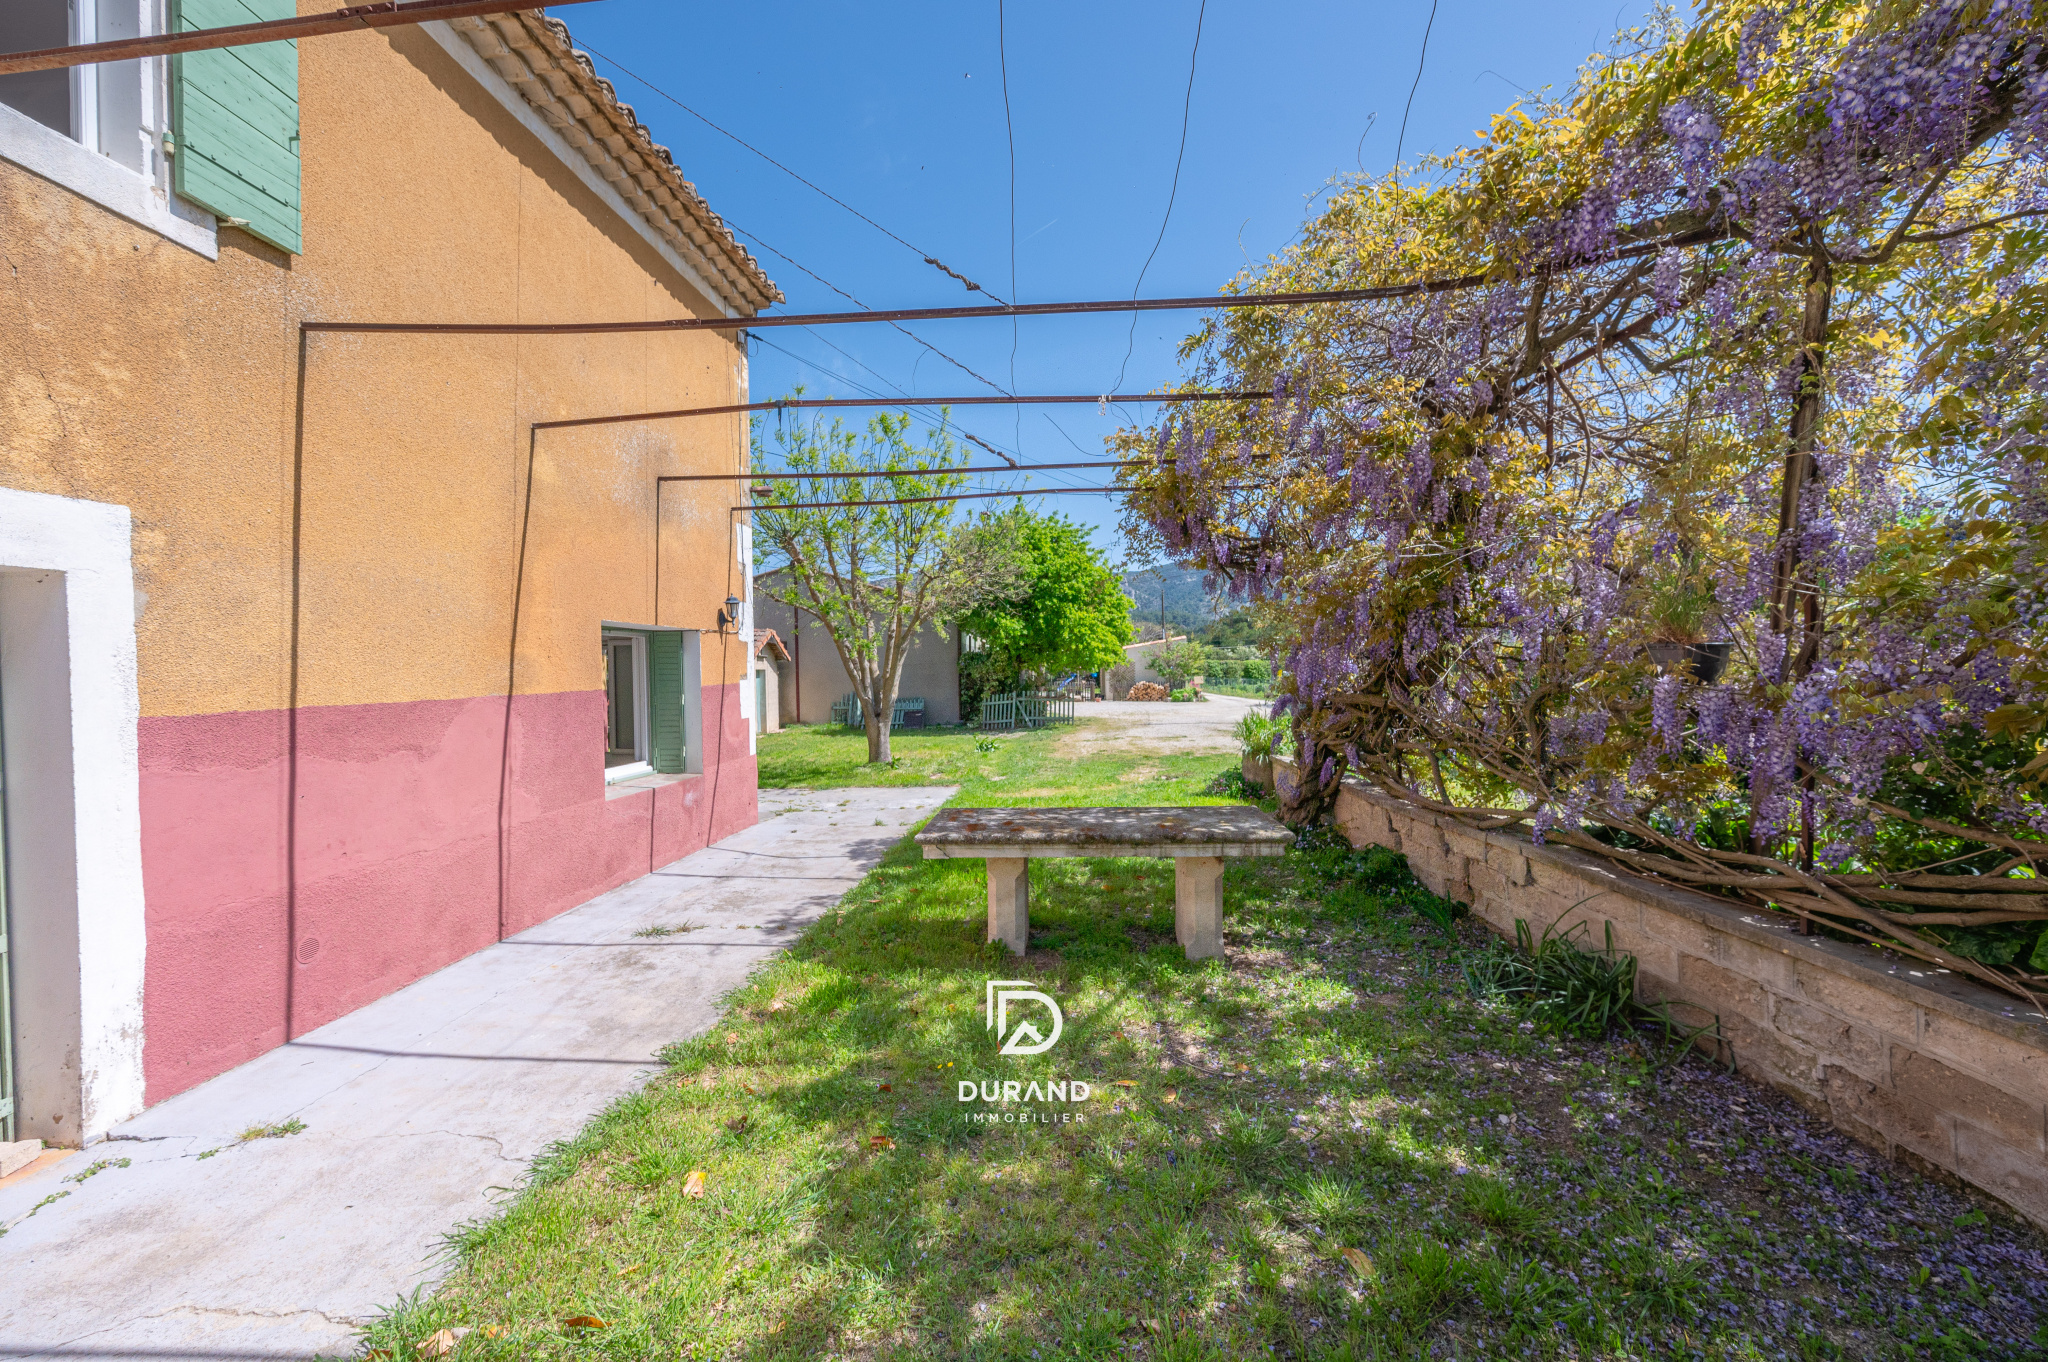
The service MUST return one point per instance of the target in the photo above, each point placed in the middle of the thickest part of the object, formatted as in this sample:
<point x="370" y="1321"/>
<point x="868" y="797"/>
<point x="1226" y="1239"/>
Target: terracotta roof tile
<point x="535" y="54"/>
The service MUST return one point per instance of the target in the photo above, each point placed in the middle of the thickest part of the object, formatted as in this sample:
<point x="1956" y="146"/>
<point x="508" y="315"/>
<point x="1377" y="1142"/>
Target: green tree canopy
<point x="1073" y="615"/>
<point x="1235" y="630"/>
<point x="1176" y="662"/>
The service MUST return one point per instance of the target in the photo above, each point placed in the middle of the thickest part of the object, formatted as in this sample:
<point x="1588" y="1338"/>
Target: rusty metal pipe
<point x="910" y="314"/>
<point x="898" y="472"/>
<point x="950" y="496"/>
<point x="786" y="404"/>
<point x="1416" y="289"/>
<point x="386" y="14"/>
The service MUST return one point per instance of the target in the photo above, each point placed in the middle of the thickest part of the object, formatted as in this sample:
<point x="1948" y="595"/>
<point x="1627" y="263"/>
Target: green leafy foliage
<point x="1563" y="986"/>
<point x="1071" y="615"/>
<point x="1176" y="662"/>
<point x="1239" y="628"/>
<point x="1260" y="736"/>
<point x="1373" y="873"/>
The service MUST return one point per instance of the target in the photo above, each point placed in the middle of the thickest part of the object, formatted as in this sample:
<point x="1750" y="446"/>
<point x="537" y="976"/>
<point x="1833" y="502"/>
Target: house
<point x="815" y="680"/>
<point x="771" y="666"/>
<point x="307" y="639"/>
<point x="1137" y="665"/>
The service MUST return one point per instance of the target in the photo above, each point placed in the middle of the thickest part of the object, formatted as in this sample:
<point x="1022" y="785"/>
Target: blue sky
<point x="899" y="110"/>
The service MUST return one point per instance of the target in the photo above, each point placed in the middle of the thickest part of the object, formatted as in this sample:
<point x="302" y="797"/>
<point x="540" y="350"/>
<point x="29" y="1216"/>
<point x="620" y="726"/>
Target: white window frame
<point x="642" y="709"/>
<point x="120" y="112"/>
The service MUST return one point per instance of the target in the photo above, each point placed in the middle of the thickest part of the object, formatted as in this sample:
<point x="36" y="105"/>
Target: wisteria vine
<point x="1709" y="533"/>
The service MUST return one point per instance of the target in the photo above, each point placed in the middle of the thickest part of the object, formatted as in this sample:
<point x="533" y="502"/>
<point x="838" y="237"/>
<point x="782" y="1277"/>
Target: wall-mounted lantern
<point x="730" y="615"/>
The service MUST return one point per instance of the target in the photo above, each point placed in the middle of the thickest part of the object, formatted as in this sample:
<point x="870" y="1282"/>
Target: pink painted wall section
<point x="399" y="853"/>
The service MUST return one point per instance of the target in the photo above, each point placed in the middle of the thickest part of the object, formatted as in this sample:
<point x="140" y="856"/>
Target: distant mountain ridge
<point x="1187" y="603"/>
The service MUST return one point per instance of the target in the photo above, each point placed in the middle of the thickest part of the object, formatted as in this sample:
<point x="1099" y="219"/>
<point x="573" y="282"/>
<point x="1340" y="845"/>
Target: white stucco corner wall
<point x="71" y="703"/>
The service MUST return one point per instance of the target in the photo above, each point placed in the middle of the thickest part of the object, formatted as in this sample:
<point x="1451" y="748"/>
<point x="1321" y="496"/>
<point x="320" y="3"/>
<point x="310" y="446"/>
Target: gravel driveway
<point x="1160" y="726"/>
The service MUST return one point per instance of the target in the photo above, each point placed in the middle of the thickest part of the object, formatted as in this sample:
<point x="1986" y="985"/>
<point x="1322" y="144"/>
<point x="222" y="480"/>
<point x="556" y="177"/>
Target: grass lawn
<point x="1321" y="1147"/>
<point x="992" y="768"/>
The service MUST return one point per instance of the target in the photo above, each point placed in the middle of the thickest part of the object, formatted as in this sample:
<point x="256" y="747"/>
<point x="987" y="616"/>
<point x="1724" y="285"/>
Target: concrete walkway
<point x="419" y="1110"/>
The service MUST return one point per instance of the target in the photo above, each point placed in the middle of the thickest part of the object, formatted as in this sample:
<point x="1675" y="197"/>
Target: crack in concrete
<point x="351" y="1323"/>
<point x="465" y="1135"/>
<point x="339" y="1321"/>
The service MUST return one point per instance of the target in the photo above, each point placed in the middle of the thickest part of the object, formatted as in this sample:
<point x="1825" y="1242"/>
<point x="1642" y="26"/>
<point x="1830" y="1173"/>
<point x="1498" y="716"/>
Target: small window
<point x="625" y="697"/>
<point x="45" y="96"/>
<point x="101" y="105"/>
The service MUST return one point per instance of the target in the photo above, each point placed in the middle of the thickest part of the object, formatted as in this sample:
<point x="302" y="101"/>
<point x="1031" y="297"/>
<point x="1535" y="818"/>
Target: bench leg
<point x="1198" y="905"/>
<point x="1009" y="902"/>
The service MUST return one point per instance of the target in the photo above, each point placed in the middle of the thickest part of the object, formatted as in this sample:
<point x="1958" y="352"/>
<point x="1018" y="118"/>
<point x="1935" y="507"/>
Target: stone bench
<point x="1196" y="839"/>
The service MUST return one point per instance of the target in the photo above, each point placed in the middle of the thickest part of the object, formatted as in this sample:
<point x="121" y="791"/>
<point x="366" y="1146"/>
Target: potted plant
<point x="1258" y="738"/>
<point x="1680" y="606"/>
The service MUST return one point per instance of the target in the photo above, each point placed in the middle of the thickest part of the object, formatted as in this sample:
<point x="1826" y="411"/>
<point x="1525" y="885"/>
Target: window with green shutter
<point x="235" y="118"/>
<point x="667" y="749"/>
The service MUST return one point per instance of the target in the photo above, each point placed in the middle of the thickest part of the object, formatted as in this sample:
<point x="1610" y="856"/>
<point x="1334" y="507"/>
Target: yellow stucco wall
<point x="135" y="371"/>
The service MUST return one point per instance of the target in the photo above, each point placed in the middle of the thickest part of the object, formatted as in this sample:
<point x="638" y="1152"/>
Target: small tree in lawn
<point x="875" y="575"/>
<point x="1176" y="662"/>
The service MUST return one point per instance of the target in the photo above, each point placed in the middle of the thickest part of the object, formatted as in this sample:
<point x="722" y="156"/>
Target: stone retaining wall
<point x="1934" y="1070"/>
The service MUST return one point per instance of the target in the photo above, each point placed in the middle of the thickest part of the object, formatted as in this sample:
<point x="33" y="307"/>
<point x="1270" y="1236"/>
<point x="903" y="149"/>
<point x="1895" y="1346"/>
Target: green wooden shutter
<point x="235" y="118"/>
<point x="665" y="702"/>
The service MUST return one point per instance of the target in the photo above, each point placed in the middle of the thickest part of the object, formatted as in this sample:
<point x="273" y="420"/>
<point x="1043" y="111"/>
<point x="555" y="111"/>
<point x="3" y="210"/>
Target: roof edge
<point x="535" y="55"/>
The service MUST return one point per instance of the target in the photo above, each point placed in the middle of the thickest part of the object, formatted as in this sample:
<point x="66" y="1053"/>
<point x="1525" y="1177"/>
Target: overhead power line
<point x="928" y="258"/>
<point x="1010" y="141"/>
<point x="385" y="14"/>
<point x="1402" y="141"/>
<point x="966" y="435"/>
<point x="996" y="450"/>
<point x="1187" y="109"/>
<point x="858" y="303"/>
<point x="909" y="401"/>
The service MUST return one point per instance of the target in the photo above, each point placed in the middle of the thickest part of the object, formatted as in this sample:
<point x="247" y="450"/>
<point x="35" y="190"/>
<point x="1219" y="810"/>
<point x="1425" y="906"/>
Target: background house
<point x="306" y="645"/>
<point x="814" y="680"/>
<point x="771" y="667"/>
<point x="1138" y="665"/>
